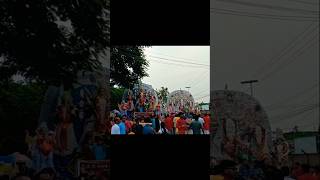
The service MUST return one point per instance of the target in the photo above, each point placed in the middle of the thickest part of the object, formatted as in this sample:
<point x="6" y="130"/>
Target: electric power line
<point x="179" y="65"/>
<point x="286" y="63"/>
<point x="263" y="17"/>
<point x="295" y="95"/>
<point x="200" y="93"/>
<point x="304" y="2"/>
<point x="284" y="51"/>
<point x="197" y="82"/>
<point x="315" y="18"/>
<point x="272" y="7"/>
<point x="300" y="120"/>
<point x="186" y="62"/>
<point x="197" y="79"/>
<point x="290" y="107"/>
<point x="202" y="97"/>
<point x="297" y="115"/>
<point x="190" y="60"/>
<point x="294" y="113"/>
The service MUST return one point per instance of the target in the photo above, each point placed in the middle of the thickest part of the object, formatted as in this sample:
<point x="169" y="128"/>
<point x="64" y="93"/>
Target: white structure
<point x="180" y="99"/>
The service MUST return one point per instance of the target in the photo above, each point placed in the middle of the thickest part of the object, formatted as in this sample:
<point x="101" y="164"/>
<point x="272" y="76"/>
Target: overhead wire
<point x="272" y="7"/>
<point x="263" y="15"/>
<point x="179" y="58"/>
<point x="295" y="112"/>
<point x="186" y="62"/>
<point x="299" y="52"/>
<point x="293" y="97"/>
<point x="304" y="2"/>
<point x="176" y="64"/>
<point x="287" y="49"/>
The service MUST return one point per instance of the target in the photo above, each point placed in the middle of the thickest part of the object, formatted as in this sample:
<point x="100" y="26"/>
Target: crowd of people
<point x="174" y="123"/>
<point x="258" y="170"/>
<point x="43" y="158"/>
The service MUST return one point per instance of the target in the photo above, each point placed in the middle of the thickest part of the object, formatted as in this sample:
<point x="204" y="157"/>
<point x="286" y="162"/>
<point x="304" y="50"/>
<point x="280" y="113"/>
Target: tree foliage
<point x="128" y="65"/>
<point x="50" y="41"/>
<point x="19" y="109"/>
<point x="116" y="97"/>
<point x="163" y="94"/>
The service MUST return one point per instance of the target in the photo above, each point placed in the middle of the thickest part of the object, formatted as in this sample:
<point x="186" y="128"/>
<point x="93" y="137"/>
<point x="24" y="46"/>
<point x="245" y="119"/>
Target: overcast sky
<point x="178" y="67"/>
<point x="242" y="45"/>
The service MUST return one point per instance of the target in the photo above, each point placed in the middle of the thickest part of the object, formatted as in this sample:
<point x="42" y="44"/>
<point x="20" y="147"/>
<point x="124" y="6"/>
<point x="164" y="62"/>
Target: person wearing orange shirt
<point x="206" y="126"/>
<point x="169" y="123"/>
<point x="181" y="125"/>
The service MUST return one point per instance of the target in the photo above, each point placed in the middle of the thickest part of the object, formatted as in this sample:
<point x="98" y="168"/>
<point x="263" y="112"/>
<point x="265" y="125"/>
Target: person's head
<point x="285" y="171"/>
<point x="117" y="120"/>
<point x="124" y="118"/>
<point x="142" y="120"/>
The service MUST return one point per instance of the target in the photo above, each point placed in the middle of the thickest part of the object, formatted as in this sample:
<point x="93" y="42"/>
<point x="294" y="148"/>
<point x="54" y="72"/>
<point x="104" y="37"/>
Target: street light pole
<point x="188" y="87"/>
<point x="250" y="82"/>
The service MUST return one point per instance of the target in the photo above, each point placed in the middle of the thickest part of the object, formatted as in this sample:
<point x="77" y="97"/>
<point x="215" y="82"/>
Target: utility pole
<point x="188" y="87"/>
<point x="250" y="82"/>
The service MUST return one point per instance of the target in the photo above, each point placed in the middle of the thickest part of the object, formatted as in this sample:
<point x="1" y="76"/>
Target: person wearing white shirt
<point x="115" y="129"/>
<point x="201" y="120"/>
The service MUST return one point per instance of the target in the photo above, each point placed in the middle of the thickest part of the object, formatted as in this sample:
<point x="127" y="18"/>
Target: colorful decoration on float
<point x="240" y="129"/>
<point x="180" y="101"/>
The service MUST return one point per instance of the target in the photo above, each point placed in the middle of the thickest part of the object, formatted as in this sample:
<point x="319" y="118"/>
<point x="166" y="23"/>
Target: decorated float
<point x="141" y="101"/>
<point x="180" y="101"/>
<point x="240" y="129"/>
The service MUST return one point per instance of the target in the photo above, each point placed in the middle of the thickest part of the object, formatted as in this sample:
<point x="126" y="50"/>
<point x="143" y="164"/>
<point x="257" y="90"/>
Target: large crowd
<point x="174" y="123"/>
<point x="259" y="170"/>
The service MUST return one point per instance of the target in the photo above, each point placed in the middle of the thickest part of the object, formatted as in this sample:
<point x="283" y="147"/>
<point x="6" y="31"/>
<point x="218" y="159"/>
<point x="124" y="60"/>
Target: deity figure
<point x="281" y="148"/>
<point x="170" y="108"/>
<point x="101" y="103"/>
<point x="158" y="110"/>
<point x="123" y="107"/>
<point x="65" y="135"/>
<point x="152" y="102"/>
<point x="130" y="106"/>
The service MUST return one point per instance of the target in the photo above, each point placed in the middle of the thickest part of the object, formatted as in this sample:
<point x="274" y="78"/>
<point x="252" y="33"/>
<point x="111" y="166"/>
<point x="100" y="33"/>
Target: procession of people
<point x="171" y="124"/>
<point x="143" y="112"/>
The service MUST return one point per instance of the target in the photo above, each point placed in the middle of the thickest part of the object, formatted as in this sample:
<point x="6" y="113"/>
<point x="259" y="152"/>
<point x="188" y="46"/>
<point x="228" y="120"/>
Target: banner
<point x="94" y="169"/>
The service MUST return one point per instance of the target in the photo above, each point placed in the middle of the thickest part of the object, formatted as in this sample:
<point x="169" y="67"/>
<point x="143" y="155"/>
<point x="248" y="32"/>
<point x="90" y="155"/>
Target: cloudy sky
<point x="250" y="41"/>
<point x="178" y="67"/>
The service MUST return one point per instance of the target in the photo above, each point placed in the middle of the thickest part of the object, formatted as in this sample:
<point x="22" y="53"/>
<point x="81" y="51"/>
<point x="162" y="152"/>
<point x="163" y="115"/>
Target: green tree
<point x="163" y="94"/>
<point x="128" y="65"/>
<point x="19" y="109"/>
<point x="116" y="96"/>
<point x="50" y="41"/>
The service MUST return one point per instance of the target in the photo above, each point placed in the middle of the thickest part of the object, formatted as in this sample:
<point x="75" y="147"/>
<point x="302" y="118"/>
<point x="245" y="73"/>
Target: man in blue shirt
<point x="99" y="149"/>
<point x="122" y="125"/>
<point x="147" y="129"/>
<point x="153" y="121"/>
